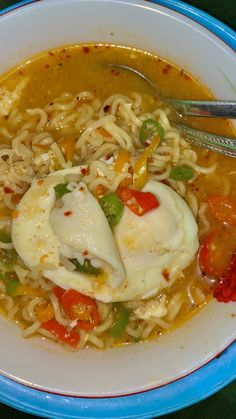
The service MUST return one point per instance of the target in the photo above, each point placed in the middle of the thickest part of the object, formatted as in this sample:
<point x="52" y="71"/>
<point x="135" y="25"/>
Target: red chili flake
<point x="186" y="77"/>
<point x="225" y="291"/>
<point x="115" y="72"/>
<point x="166" y="274"/>
<point x="50" y="53"/>
<point x="95" y="46"/>
<point x="46" y="66"/>
<point x="8" y="190"/>
<point x="52" y="103"/>
<point x="16" y="198"/>
<point x="84" y="171"/>
<point x="6" y="116"/>
<point x="166" y="69"/>
<point x="67" y="213"/>
<point x="85" y="253"/>
<point x="86" y="50"/>
<point x="108" y="156"/>
<point x="194" y="187"/>
<point x="106" y="108"/>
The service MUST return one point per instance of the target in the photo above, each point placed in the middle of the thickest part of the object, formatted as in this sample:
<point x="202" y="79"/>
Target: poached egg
<point x="141" y="256"/>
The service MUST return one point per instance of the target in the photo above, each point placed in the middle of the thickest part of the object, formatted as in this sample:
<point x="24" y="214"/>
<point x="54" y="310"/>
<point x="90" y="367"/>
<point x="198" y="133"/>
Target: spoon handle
<point x="217" y="143"/>
<point x="214" y="109"/>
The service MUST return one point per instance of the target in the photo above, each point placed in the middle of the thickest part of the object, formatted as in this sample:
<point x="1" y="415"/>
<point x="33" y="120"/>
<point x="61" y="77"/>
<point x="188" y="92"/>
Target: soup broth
<point x="47" y="107"/>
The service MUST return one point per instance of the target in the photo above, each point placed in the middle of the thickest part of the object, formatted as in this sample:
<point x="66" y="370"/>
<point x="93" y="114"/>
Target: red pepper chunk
<point x="82" y="308"/>
<point x="207" y="257"/>
<point x="225" y="291"/>
<point x="223" y="209"/>
<point x="78" y="307"/>
<point x="59" y="292"/>
<point x="215" y="253"/>
<point x="71" y="337"/>
<point x="7" y="190"/>
<point x="138" y="202"/>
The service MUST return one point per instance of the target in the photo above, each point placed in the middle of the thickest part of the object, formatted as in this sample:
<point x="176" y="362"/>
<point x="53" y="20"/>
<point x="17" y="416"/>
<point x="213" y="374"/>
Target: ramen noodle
<point x="103" y="201"/>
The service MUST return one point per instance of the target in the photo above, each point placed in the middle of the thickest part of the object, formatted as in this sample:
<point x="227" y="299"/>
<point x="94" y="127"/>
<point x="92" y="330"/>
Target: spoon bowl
<point x="181" y="107"/>
<point x="201" y="108"/>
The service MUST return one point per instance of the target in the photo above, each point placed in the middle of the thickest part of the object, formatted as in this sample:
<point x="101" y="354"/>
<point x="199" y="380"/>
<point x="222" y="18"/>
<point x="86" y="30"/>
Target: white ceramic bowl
<point x="206" y="50"/>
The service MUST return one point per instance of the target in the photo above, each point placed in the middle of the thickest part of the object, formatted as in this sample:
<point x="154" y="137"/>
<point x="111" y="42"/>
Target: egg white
<point x="135" y="258"/>
<point x="41" y="232"/>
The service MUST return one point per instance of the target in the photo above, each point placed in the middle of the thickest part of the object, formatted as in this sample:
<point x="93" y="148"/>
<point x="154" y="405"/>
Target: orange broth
<point x="81" y="67"/>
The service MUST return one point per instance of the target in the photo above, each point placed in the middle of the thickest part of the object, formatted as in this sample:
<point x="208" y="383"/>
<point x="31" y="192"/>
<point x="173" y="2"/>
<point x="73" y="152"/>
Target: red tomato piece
<point x="223" y="209"/>
<point x="207" y="255"/>
<point x="70" y="337"/>
<point x="82" y="308"/>
<point x="225" y="291"/>
<point x="59" y="292"/>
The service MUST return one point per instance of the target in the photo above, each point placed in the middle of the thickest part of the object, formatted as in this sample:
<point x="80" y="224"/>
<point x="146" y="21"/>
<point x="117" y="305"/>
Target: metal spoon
<point x="217" y="143"/>
<point x="219" y="109"/>
<point x="203" y="108"/>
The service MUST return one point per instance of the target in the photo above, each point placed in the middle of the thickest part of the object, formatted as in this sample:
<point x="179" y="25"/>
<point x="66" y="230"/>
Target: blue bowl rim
<point x="184" y="392"/>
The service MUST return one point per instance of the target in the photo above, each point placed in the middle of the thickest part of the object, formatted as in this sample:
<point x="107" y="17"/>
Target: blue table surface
<point x="223" y="404"/>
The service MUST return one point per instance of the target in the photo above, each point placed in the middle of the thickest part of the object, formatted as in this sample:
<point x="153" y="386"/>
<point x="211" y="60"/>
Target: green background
<point x="223" y="404"/>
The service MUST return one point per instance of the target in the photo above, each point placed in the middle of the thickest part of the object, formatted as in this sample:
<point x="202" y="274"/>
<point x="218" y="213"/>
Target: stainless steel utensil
<point x="202" y="108"/>
<point x="218" y="109"/>
<point x="217" y="143"/>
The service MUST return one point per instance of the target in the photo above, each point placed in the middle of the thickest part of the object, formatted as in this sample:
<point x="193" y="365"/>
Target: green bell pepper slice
<point x="121" y="322"/>
<point x="112" y="207"/>
<point x="12" y="286"/>
<point x="149" y="129"/>
<point x="86" y="267"/>
<point x="7" y="259"/>
<point x="61" y="189"/>
<point x="5" y="236"/>
<point x="183" y="172"/>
